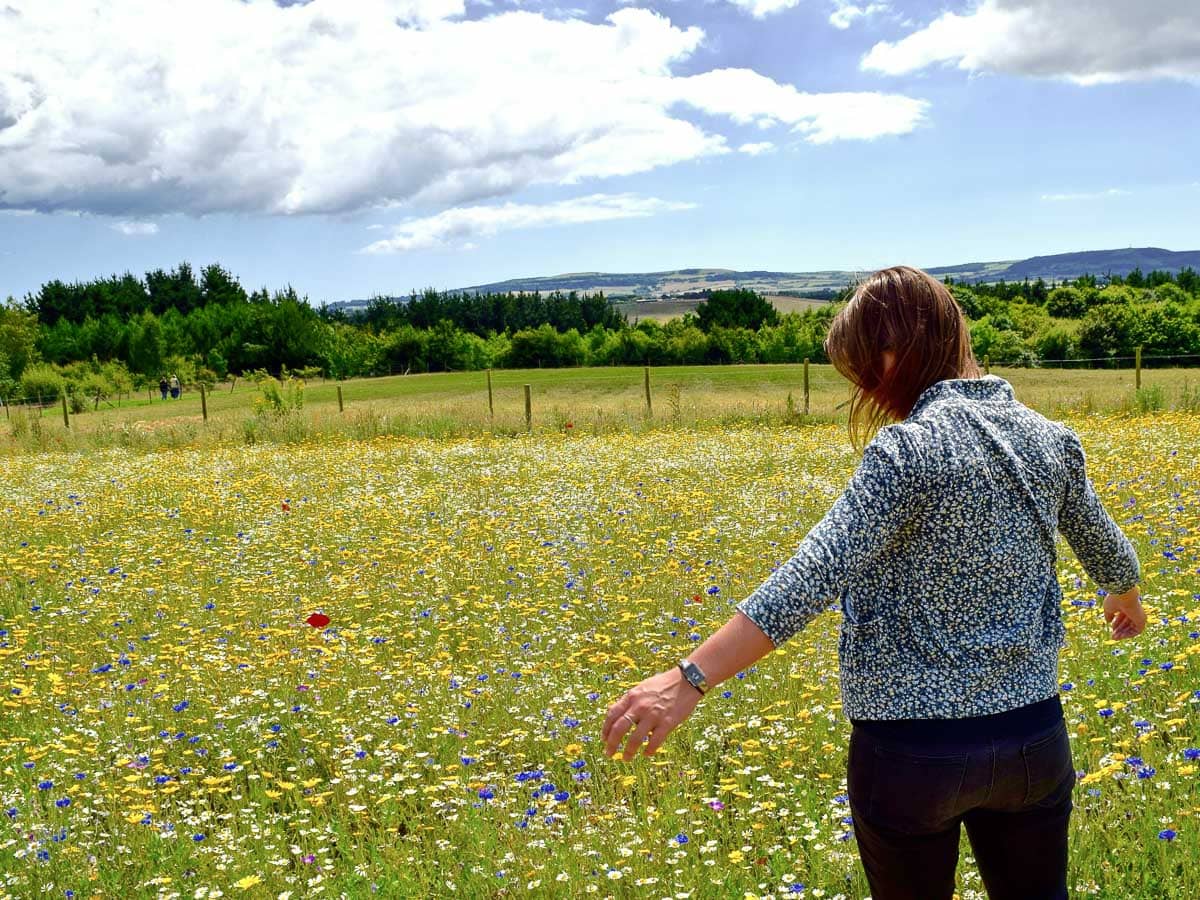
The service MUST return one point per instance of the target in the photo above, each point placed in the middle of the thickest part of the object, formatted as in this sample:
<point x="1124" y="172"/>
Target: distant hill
<point x="1058" y="267"/>
<point x="676" y="282"/>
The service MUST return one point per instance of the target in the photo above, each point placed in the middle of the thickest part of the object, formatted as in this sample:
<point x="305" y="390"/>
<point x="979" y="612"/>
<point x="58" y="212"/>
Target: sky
<point x="352" y="148"/>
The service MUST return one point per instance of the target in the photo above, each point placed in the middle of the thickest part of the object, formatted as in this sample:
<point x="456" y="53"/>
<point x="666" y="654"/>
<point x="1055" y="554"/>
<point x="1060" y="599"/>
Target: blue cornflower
<point x="1191" y="753"/>
<point x="62" y="802"/>
<point x="181" y="706"/>
<point x="713" y="590"/>
<point x="486" y="793"/>
<point x="1106" y="712"/>
<point x="560" y="796"/>
<point x="1146" y="772"/>
<point x="45" y="785"/>
<point x="198" y="837"/>
<point x="1167" y="834"/>
<point x="681" y="838"/>
<point x="579" y="764"/>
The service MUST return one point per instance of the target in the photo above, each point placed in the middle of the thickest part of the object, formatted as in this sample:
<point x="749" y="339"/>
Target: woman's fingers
<point x="615" y="712"/>
<point x="624" y="720"/>
<point x="635" y="739"/>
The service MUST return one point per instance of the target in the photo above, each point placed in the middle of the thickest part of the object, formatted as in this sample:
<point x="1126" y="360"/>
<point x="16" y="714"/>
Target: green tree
<point x="18" y="339"/>
<point x="146" y="346"/>
<point x="738" y="308"/>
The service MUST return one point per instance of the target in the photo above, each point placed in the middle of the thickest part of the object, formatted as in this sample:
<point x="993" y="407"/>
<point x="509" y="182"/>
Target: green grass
<point x="154" y="642"/>
<point x="591" y="399"/>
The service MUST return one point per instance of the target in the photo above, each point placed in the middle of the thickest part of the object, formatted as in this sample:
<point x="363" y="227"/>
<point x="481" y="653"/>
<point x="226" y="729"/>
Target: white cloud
<point x="757" y="149"/>
<point x="749" y="98"/>
<point x="135" y="229"/>
<point x="136" y="108"/>
<point x="464" y="223"/>
<point x="845" y="13"/>
<point x="761" y="8"/>
<point x="1083" y="41"/>
<point x="1087" y="195"/>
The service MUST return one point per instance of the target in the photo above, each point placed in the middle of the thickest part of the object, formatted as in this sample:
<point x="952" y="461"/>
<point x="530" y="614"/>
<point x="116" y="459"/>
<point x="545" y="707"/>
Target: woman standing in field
<point x="941" y="552"/>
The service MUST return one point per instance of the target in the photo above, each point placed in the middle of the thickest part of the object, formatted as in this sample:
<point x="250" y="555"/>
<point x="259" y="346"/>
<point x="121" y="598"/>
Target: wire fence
<point x="67" y="402"/>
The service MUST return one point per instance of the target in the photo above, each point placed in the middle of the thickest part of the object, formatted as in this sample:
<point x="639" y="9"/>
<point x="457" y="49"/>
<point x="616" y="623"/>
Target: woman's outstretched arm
<point x="663" y="701"/>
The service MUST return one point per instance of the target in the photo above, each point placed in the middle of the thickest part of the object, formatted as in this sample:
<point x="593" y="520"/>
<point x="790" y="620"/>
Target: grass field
<point x="172" y="727"/>
<point x="665" y="310"/>
<point x="591" y="399"/>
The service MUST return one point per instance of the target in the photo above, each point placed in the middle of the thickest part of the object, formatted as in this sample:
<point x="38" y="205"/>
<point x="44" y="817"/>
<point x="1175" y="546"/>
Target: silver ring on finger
<point x="631" y="719"/>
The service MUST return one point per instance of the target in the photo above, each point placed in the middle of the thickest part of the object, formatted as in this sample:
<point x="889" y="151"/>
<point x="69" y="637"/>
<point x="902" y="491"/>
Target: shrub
<point x="41" y="380"/>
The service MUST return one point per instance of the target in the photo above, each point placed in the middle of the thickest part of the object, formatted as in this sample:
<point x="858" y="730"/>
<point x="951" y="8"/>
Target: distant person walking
<point x="163" y="387"/>
<point x="174" y="387"/>
<point x="941" y="554"/>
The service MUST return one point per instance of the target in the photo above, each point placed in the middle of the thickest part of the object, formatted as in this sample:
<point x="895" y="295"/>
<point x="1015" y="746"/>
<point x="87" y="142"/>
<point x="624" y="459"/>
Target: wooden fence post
<point x="987" y="364"/>
<point x="806" y="385"/>
<point x="1137" y="373"/>
<point x="528" y="410"/>
<point x="491" y="409"/>
<point x="203" y="402"/>
<point x="341" y="406"/>
<point x="649" y="406"/>
<point x="66" y="418"/>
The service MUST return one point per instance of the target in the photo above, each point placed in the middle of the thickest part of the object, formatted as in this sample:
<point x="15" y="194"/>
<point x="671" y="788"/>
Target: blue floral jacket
<point x="941" y="552"/>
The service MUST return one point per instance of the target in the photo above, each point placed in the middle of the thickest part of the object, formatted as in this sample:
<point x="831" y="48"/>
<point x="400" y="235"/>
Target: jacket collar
<point x="988" y="388"/>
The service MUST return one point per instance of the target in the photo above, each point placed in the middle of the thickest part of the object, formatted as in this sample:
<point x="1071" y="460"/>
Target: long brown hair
<point x="914" y="315"/>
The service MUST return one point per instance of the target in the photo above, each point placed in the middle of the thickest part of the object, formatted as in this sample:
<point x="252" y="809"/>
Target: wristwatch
<point x="694" y="675"/>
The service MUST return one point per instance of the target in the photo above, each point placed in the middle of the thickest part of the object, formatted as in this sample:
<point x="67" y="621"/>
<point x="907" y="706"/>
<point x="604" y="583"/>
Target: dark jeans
<point x="1008" y="778"/>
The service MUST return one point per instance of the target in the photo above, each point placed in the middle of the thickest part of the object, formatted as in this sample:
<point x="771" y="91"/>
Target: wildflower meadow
<point x="380" y="668"/>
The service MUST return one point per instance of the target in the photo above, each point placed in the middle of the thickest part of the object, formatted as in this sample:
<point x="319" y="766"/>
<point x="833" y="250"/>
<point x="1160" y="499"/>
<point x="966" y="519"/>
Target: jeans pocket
<point x="915" y="792"/>
<point x="1049" y="769"/>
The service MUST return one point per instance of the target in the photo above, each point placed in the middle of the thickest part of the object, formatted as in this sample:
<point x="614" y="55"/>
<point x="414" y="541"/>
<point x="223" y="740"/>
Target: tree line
<point x="111" y="335"/>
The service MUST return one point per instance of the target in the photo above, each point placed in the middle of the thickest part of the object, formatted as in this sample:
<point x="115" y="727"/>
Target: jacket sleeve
<point x="877" y="501"/>
<point x="1103" y="550"/>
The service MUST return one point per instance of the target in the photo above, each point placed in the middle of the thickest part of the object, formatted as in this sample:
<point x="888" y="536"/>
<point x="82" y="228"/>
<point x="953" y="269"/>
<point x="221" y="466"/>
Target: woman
<point x="941" y="552"/>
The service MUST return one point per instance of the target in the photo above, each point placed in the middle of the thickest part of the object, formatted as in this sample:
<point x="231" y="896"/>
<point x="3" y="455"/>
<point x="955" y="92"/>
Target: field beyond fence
<point x="579" y="399"/>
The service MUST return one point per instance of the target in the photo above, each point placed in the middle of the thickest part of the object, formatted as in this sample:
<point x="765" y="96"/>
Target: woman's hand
<point x="1125" y="614"/>
<point x="652" y="708"/>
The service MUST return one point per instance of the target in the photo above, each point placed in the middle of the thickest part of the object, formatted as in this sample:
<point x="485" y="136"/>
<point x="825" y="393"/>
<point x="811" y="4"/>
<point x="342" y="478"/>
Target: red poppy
<point x="696" y="598"/>
<point x="318" y="620"/>
<point x="287" y="507"/>
<point x="570" y="424"/>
